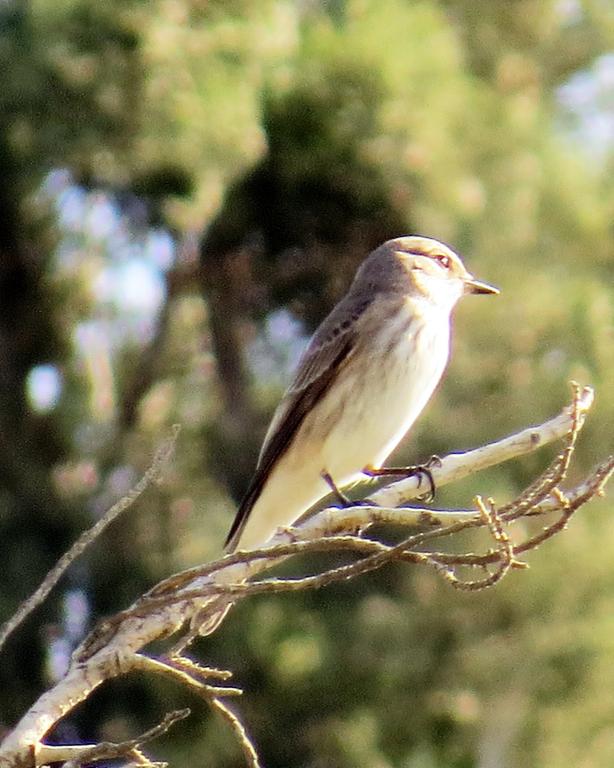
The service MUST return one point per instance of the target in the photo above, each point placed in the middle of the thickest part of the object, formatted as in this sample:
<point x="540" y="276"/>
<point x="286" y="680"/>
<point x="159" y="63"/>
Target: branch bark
<point x="185" y="603"/>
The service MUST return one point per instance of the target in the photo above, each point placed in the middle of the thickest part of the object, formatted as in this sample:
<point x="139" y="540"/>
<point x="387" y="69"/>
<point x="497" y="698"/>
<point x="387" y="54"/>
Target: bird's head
<point x="435" y="270"/>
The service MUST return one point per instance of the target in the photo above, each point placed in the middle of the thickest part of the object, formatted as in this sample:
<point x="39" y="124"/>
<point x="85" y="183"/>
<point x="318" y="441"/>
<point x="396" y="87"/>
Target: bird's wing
<point x="326" y="354"/>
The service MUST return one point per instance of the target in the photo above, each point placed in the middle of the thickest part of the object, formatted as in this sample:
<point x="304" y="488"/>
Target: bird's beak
<point x="477" y="286"/>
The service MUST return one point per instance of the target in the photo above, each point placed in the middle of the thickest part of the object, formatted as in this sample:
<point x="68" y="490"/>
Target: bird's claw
<point x="415" y="470"/>
<point x="424" y="470"/>
<point x="342" y="500"/>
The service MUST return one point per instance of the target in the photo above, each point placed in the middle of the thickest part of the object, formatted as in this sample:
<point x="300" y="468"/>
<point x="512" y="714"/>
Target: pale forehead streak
<point x="420" y="246"/>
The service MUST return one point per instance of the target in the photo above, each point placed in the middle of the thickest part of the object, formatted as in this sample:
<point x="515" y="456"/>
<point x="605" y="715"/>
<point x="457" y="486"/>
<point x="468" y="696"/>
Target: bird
<point x="365" y="376"/>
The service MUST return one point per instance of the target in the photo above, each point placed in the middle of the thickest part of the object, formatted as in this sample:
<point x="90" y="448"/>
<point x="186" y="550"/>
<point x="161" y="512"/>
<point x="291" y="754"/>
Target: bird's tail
<point x="247" y="503"/>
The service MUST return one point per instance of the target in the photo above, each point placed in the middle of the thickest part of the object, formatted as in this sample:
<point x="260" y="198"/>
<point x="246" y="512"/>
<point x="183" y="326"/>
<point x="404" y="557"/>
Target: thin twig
<point x="556" y="472"/>
<point x="163" y="454"/>
<point x="185" y="671"/>
<point x="191" y="673"/>
<point x="78" y="754"/>
<point x="235" y="723"/>
<point x="504" y="553"/>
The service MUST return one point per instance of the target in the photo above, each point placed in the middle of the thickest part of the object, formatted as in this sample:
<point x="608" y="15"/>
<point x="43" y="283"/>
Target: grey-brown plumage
<point x="365" y="376"/>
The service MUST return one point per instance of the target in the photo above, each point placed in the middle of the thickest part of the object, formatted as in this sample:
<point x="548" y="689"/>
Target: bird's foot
<point x="419" y="471"/>
<point x="342" y="500"/>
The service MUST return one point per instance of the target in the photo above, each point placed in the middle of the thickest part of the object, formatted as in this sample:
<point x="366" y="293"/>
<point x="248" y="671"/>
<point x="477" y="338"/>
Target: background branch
<point x="88" y="537"/>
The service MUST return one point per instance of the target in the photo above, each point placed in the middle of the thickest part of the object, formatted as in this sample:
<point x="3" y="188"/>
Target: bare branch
<point x="83" y="753"/>
<point x="378" y="554"/>
<point x="246" y="743"/>
<point x="456" y="466"/>
<point x="162" y="456"/>
<point x="186" y="602"/>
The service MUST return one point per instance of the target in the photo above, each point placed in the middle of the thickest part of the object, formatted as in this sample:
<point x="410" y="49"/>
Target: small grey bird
<point x="364" y="378"/>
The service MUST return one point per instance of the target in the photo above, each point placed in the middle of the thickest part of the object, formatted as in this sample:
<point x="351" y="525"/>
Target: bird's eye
<point x="443" y="259"/>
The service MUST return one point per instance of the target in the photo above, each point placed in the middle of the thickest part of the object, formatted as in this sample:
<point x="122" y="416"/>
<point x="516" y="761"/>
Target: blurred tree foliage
<point x="277" y="143"/>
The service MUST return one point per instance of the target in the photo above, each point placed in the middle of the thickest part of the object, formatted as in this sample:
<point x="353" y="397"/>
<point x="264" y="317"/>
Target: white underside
<point x="359" y="422"/>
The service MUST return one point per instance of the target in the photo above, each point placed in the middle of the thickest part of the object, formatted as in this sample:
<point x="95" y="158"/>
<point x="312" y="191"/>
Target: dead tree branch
<point x="190" y="603"/>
